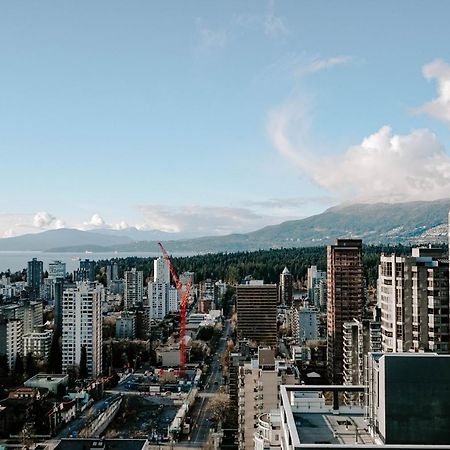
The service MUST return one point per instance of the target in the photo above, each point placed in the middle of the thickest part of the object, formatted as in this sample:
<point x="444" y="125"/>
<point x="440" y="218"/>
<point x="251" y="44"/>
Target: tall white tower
<point x="162" y="297"/>
<point x="161" y="271"/>
<point x="82" y="326"/>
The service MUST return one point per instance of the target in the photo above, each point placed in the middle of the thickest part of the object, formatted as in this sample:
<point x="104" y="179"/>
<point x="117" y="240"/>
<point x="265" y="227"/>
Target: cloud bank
<point x="384" y="166"/>
<point x="439" y="107"/>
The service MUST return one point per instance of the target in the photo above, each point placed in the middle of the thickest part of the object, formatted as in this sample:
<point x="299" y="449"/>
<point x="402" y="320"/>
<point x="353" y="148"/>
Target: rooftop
<point x="104" y="444"/>
<point x="318" y="428"/>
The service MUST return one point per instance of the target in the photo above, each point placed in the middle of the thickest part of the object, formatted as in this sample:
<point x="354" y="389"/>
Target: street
<point x="200" y="415"/>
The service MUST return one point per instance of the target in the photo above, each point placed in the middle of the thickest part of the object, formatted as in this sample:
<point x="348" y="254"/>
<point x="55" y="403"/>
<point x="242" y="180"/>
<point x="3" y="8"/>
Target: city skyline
<point x="218" y="118"/>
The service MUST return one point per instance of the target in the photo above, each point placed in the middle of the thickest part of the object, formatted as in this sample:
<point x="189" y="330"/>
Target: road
<point x="200" y="415"/>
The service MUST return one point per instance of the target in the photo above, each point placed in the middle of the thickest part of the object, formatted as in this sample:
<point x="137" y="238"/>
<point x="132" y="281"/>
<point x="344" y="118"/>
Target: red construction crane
<point x="183" y="308"/>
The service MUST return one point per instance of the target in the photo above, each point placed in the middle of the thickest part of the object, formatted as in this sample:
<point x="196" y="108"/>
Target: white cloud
<point x="320" y="64"/>
<point x="384" y="166"/>
<point x="96" y="221"/>
<point x="439" y="107"/>
<point x="274" y="25"/>
<point x="204" y="219"/>
<point x="44" y="220"/>
<point x="209" y="38"/>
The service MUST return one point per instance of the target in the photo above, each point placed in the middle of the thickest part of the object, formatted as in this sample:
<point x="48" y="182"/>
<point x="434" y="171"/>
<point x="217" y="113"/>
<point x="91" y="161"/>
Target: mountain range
<point x="408" y="223"/>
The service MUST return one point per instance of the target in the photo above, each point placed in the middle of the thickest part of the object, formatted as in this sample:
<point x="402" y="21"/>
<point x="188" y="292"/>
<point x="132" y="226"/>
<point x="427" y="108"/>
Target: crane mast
<point x="183" y="307"/>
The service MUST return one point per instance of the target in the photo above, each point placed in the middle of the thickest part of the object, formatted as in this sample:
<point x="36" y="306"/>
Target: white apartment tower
<point x="82" y="326"/>
<point x="161" y="271"/>
<point x="14" y="341"/>
<point x="133" y="289"/>
<point x="162" y="297"/>
<point x="414" y="299"/>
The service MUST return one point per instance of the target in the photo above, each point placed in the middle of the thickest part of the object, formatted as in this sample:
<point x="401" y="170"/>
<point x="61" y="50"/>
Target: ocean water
<point x="16" y="261"/>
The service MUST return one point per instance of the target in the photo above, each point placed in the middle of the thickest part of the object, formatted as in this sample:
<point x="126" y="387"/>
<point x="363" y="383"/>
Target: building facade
<point x="345" y="292"/>
<point x="413" y="293"/>
<point x="256" y="306"/>
<point x="286" y="287"/>
<point x="82" y="326"/>
<point x="133" y="288"/>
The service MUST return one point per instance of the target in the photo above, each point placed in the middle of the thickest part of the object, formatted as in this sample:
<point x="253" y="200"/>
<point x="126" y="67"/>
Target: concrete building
<point x="286" y="287"/>
<point x="317" y="287"/>
<point x="38" y="344"/>
<point x="268" y="431"/>
<point x="86" y="272"/>
<point x="161" y="272"/>
<point x="35" y="276"/>
<point x="345" y="298"/>
<point x="413" y="293"/>
<point x="82" y="326"/>
<point x="305" y="323"/>
<point x="126" y="326"/>
<point x="54" y="383"/>
<point x="133" y="288"/>
<point x="13" y="331"/>
<point x="409" y="398"/>
<point x="32" y="314"/>
<point x="406" y="405"/>
<point x="259" y="380"/>
<point x="256" y="306"/>
<point x="112" y="273"/>
<point x="361" y="337"/>
<point x="56" y="270"/>
<point x="162" y="297"/>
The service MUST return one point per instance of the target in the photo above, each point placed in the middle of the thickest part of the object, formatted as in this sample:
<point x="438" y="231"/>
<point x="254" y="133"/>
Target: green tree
<point x="18" y="366"/>
<point x="54" y="362"/>
<point x="30" y="366"/>
<point x="82" y="370"/>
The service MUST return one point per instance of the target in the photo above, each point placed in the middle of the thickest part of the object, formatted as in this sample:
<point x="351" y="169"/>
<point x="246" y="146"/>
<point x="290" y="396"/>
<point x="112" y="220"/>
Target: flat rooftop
<point x="100" y="444"/>
<point x="327" y="428"/>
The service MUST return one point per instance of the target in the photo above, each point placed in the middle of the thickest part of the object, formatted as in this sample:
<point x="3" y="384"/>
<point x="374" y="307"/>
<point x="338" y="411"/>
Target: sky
<point x="217" y="117"/>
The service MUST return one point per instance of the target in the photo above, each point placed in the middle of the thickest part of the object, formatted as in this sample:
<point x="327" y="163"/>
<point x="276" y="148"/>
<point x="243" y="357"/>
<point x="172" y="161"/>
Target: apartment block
<point x="413" y="293"/>
<point x="345" y="292"/>
<point x="82" y="326"/>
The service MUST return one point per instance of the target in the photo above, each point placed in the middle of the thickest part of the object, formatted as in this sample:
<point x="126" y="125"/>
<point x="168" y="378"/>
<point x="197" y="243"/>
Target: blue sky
<point x="213" y="117"/>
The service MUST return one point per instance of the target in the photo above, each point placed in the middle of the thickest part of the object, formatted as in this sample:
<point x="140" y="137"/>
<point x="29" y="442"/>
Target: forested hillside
<point x="262" y="264"/>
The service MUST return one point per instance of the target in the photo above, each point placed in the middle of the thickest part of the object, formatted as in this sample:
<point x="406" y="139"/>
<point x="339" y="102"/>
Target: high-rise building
<point x="305" y="323"/>
<point x="345" y="298"/>
<point x="13" y="332"/>
<point x="361" y="337"/>
<point x="82" y="326"/>
<point x="133" y="288"/>
<point x="257" y="313"/>
<point x="86" y="272"/>
<point x="56" y="270"/>
<point x="112" y="272"/>
<point x="286" y="287"/>
<point x="258" y="391"/>
<point x="161" y="272"/>
<point x="32" y="314"/>
<point x="414" y="299"/>
<point x="35" y="276"/>
<point x="317" y="287"/>
<point x="162" y="297"/>
<point x="126" y="326"/>
<point x="38" y="344"/>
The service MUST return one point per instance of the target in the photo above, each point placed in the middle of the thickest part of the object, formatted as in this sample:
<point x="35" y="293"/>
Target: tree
<point x="4" y="368"/>
<point x="219" y="407"/>
<point x="54" y="362"/>
<point x="30" y="366"/>
<point x="82" y="370"/>
<point x="18" y="366"/>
